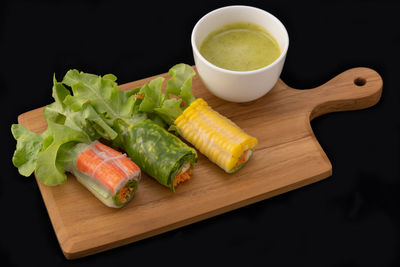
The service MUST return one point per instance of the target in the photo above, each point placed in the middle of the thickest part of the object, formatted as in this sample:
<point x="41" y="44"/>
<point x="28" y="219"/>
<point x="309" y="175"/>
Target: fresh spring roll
<point x="215" y="136"/>
<point x="160" y="154"/>
<point x="110" y="175"/>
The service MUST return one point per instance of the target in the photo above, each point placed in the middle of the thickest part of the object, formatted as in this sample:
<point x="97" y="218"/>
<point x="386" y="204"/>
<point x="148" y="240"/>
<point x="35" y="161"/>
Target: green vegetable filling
<point x="125" y="193"/>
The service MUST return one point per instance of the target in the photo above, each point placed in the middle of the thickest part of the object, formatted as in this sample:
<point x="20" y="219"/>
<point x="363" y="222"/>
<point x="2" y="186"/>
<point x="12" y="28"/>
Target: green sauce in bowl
<point x="240" y="46"/>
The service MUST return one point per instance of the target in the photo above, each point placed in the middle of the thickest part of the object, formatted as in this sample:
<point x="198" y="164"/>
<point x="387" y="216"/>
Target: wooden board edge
<point x="72" y="249"/>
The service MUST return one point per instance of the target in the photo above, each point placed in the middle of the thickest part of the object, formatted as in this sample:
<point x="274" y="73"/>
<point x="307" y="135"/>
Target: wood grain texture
<point x="288" y="156"/>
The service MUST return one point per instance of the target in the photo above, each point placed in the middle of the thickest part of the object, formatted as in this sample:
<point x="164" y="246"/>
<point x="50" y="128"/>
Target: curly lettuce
<point x="103" y="94"/>
<point x="177" y="96"/>
<point x="70" y="120"/>
<point x="93" y="111"/>
<point x="39" y="153"/>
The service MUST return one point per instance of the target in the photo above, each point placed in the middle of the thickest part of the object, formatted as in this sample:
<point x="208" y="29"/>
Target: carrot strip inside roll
<point x="108" y="173"/>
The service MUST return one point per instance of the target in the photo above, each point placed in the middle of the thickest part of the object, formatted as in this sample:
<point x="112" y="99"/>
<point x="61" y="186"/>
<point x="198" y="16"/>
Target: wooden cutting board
<point x="288" y="156"/>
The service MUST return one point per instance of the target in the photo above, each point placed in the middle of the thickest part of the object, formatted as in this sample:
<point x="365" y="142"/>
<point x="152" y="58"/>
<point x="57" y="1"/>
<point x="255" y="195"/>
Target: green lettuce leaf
<point x="102" y="93"/>
<point x="70" y="120"/>
<point x="153" y="95"/>
<point x="177" y="97"/>
<point x="170" y="110"/>
<point x="28" y="147"/>
<point x="48" y="170"/>
<point x="76" y="113"/>
<point x="180" y="83"/>
<point x="40" y="153"/>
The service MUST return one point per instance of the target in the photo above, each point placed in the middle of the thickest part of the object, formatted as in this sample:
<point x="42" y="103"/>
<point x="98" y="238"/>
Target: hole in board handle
<point x="360" y="81"/>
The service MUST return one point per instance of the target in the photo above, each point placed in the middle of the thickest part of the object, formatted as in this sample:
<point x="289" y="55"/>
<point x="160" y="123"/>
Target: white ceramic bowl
<point x="239" y="86"/>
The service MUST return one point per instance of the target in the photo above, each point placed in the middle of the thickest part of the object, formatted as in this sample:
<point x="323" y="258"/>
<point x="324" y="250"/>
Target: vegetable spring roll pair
<point x="157" y="152"/>
<point x="113" y="177"/>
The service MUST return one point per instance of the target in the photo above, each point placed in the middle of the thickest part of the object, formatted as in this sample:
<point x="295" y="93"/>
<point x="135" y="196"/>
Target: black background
<point x="351" y="218"/>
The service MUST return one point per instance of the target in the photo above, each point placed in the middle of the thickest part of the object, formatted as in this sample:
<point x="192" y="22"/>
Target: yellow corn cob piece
<point x="214" y="135"/>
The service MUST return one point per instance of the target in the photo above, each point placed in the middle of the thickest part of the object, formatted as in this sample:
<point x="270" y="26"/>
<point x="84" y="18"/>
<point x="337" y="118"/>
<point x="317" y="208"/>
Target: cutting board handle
<point x="354" y="89"/>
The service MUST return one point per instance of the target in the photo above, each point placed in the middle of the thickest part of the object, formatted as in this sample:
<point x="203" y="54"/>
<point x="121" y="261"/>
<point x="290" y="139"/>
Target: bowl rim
<point x="275" y="62"/>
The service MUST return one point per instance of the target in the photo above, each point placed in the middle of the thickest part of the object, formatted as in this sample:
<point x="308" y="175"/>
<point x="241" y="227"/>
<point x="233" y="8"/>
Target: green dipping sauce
<point x="240" y="46"/>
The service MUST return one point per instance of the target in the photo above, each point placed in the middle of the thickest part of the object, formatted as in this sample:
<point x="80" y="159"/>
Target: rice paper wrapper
<point x="158" y="153"/>
<point x="109" y="174"/>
